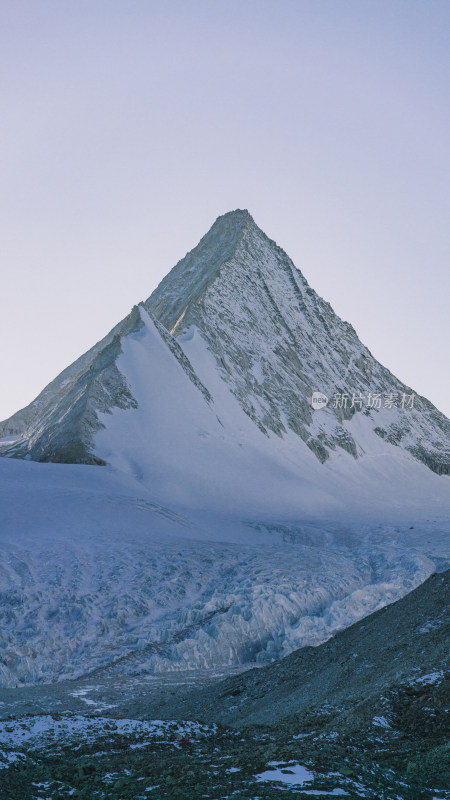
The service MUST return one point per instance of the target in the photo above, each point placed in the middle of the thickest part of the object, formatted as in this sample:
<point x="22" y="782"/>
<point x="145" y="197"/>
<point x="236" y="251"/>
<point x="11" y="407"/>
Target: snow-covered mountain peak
<point x="242" y="331"/>
<point x="276" y="342"/>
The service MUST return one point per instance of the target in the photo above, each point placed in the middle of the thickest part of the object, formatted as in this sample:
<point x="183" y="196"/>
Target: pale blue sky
<point x="128" y="127"/>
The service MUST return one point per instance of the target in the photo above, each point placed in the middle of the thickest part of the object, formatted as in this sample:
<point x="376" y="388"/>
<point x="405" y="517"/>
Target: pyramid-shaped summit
<point x="276" y="342"/>
<point x="215" y="374"/>
<point x="188" y="281"/>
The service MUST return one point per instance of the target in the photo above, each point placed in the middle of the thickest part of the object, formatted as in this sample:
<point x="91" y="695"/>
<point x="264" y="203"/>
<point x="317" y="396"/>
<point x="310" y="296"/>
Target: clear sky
<point x="128" y="126"/>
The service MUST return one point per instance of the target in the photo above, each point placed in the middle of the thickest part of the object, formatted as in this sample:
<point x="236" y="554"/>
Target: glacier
<point x="98" y="577"/>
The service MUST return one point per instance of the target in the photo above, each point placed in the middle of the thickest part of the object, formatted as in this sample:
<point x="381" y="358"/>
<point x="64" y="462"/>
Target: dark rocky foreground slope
<point x="348" y="674"/>
<point x="365" y="714"/>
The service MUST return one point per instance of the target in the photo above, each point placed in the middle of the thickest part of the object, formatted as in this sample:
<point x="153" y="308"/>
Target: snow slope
<point x="211" y="455"/>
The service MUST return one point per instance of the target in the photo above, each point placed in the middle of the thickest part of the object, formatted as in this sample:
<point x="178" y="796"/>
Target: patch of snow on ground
<point x="381" y="722"/>
<point x="295" y="774"/>
<point x="36" y="730"/>
<point x="431" y="678"/>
